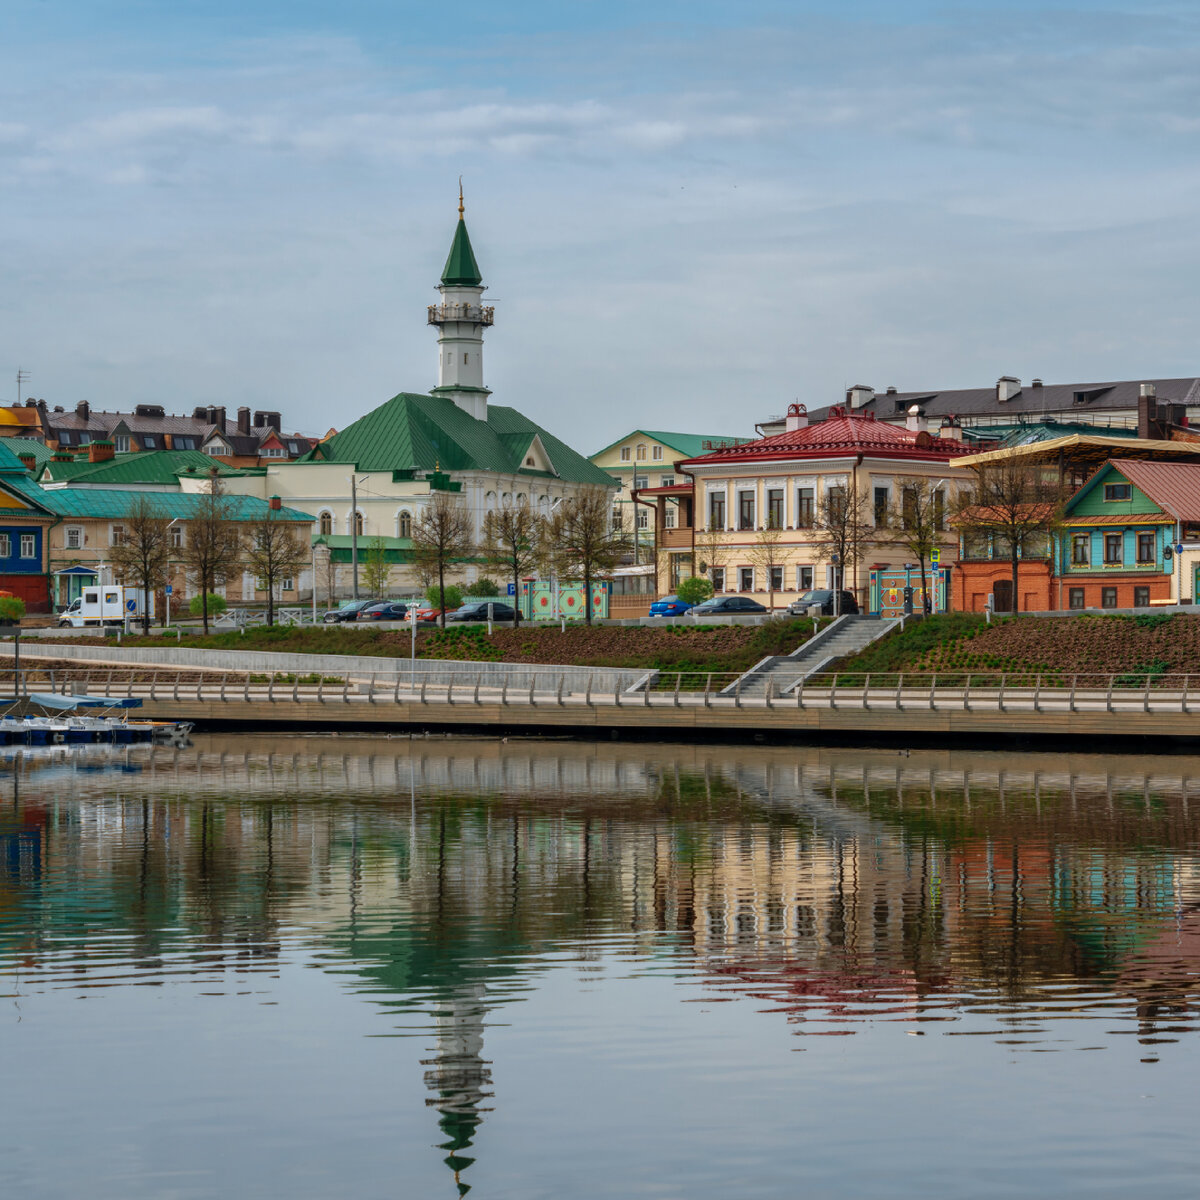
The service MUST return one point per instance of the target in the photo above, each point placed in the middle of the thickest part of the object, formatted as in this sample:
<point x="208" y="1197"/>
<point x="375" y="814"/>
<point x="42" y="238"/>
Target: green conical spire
<point x="461" y="269"/>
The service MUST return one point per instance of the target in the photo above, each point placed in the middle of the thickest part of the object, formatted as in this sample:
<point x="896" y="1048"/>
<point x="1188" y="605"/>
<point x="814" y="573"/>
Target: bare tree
<point x="441" y="542"/>
<point x="142" y="557"/>
<point x="212" y="542"/>
<point x="711" y="549"/>
<point x="377" y="571"/>
<point x="274" y="552"/>
<point x="918" y="521"/>
<point x="844" y="518"/>
<point x="1017" y="504"/>
<point x="763" y="554"/>
<point x="580" y="542"/>
<point x="511" y="539"/>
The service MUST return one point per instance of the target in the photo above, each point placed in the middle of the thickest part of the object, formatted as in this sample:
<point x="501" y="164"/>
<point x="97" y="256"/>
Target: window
<point x="745" y="579"/>
<point x="149" y="442"/>
<point x="640" y="481"/>
<point x="667" y="481"/>
<point x="465" y="358"/>
<point x="716" y="510"/>
<point x="641" y="452"/>
<point x="881" y="507"/>
<point x="529" y="462"/>
<point x="405" y="525"/>
<point x="1141" y="597"/>
<point x="745" y="510"/>
<point x="358" y="523"/>
<point x="1113" y="545"/>
<point x="216" y="448"/>
<point x="181" y="441"/>
<point x="835" y="501"/>
<point x="1145" y="548"/>
<point x="616" y="519"/>
<point x="657" y="454"/>
<point x="669" y="517"/>
<point x="1081" y="545"/>
<point x="625" y="454"/>
<point x="776" y="577"/>
<point x="804" y="508"/>
<point x="717" y="575"/>
<point x="1118" y="491"/>
<point x="287" y="584"/>
<point x="273" y="452"/>
<point x="775" y="508"/>
<point x="121" y="443"/>
<point x="909" y="507"/>
<point x="643" y="517"/>
<point x="177" y="537"/>
<point x="1075" y="598"/>
<point x="74" y="537"/>
<point x="325" y="523"/>
<point x="804" y="579"/>
<point x="117" y="536"/>
<point x="1108" y="597"/>
<point x="5" y="546"/>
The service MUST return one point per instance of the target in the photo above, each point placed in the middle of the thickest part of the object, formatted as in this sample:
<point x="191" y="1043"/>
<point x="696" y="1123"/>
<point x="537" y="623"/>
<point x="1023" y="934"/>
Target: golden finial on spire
<point x="460" y="199"/>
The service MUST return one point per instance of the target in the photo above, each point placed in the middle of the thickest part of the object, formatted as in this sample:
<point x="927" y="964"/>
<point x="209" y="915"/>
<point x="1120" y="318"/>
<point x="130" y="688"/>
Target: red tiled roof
<point x="1173" y="486"/>
<point x="840" y="435"/>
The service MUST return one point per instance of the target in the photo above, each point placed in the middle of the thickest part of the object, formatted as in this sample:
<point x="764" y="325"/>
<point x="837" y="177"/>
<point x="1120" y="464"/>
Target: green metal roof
<point x="341" y="547"/>
<point x="461" y="269"/>
<point x="1031" y="432"/>
<point x="113" y="504"/>
<point x="426" y="433"/>
<point x="147" y="466"/>
<point x="690" y="445"/>
<point x="40" y="451"/>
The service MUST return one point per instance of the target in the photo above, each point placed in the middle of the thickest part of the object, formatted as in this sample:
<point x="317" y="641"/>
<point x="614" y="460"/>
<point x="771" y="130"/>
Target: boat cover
<point x="54" y="700"/>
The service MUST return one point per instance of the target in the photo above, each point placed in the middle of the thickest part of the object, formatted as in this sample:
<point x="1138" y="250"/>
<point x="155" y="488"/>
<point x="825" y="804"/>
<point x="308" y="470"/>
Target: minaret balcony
<point x="476" y="314"/>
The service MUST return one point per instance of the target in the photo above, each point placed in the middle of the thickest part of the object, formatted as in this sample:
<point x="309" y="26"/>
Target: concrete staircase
<point x="847" y="635"/>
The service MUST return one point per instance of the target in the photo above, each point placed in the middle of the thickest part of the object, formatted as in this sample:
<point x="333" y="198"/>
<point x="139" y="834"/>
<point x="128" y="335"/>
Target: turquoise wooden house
<point x="1116" y="547"/>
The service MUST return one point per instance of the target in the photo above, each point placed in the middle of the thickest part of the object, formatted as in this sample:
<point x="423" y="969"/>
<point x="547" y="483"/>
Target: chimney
<point x="1147" y="426"/>
<point x="273" y="419"/>
<point x="1037" y="383"/>
<point x="244" y="421"/>
<point x="891" y="391"/>
<point x="797" y="417"/>
<point x="62" y="456"/>
<point x="859" y="395"/>
<point x="916" y="422"/>
<point x="275" y="503"/>
<point x="1007" y="386"/>
<point x="951" y="430"/>
<point x="82" y="410"/>
<point x="199" y="413"/>
<point x="218" y="418"/>
<point x="100" y="450"/>
<point x="27" y="461"/>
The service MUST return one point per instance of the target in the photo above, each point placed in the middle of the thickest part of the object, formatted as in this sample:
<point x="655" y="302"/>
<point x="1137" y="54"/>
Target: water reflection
<point x="1043" y="902"/>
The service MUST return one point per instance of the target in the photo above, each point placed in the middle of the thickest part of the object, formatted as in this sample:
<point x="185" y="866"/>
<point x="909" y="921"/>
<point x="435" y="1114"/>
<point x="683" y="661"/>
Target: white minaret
<point x="461" y="319"/>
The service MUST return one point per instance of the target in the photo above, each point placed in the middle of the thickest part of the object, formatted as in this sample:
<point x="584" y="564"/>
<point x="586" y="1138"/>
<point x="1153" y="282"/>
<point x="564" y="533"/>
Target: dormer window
<point x="1118" y="491"/>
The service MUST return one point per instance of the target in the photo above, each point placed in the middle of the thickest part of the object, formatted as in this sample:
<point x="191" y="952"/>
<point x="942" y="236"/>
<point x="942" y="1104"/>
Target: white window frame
<point x="742" y="573"/>
<point x="656" y="453"/>
<point x="5" y="545"/>
<point x="73" y="537"/>
<point x="626" y="454"/>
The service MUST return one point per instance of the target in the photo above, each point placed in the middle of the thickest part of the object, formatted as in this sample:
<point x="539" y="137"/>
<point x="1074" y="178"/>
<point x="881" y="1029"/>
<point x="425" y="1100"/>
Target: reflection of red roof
<point x="841" y="434"/>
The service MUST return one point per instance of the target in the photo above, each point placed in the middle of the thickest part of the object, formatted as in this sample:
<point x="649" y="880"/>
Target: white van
<point x="109" y="605"/>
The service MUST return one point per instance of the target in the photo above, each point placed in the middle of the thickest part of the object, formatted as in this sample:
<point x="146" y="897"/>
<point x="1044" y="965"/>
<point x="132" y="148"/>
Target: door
<point x="1002" y="592"/>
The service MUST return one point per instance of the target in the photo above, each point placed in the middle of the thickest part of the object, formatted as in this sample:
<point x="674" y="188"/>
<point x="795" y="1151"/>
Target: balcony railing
<point x="478" y="314"/>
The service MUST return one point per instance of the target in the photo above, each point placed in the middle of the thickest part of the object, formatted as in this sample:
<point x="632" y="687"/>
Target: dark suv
<point x="349" y="611"/>
<point x="824" y="597"/>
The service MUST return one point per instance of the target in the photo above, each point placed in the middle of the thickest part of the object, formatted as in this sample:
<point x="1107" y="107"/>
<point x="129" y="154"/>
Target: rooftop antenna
<point x="22" y="378"/>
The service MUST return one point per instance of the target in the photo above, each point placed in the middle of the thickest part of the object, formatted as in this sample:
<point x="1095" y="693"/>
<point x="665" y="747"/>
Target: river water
<point x="329" y="966"/>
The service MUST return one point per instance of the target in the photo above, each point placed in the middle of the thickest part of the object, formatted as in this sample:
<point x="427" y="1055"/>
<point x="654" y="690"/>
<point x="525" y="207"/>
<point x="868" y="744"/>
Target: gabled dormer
<point x="534" y="456"/>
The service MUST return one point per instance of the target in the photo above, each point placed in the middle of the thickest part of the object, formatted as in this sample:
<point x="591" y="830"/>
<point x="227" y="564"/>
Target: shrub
<point x="454" y="595"/>
<point x="483" y="588"/>
<point x="216" y="605"/>
<point x="12" y="608"/>
<point x="694" y="590"/>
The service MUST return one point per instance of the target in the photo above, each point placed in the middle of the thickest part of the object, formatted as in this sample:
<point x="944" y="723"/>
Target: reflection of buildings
<point x="440" y="875"/>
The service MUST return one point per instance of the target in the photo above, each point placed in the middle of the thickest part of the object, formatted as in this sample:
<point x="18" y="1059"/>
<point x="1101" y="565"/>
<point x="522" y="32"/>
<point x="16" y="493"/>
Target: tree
<point x="918" y="521"/>
<point x="376" y="569"/>
<point x="449" y="597"/>
<point x="141" y="559"/>
<point x="274" y="552"/>
<point x="695" y="590"/>
<point x="511" y="538"/>
<point x="1017" y="505"/>
<point x="212" y="542"/>
<point x="441" y="541"/>
<point x="579" y="541"/>
<point x="482" y="588"/>
<point x="711" y="550"/>
<point x="763" y="554"/>
<point x="844" y="520"/>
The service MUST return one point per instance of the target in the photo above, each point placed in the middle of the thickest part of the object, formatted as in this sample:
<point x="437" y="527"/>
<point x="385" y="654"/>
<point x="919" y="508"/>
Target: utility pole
<point x="22" y="378"/>
<point x="354" y="531"/>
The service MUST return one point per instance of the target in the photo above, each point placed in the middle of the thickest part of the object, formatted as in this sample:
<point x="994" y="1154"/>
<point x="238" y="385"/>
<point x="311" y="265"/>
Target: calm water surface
<point x="326" y="967"/>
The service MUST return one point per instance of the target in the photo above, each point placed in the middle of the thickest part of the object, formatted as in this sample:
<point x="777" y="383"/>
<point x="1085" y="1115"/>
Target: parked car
<point x="669" y="606"/>
<point x="477" y="610"/>
<point x="847" y="605"/>
<point x="429" y="613"/>
<point x="349" y="611"/>
<point x="728" y="606"/>
<point x="384" y="610"/>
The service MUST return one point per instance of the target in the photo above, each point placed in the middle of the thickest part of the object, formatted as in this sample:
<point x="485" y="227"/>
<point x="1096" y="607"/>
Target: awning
<point x="55" y="700"/>
<point x="90" y="572"/>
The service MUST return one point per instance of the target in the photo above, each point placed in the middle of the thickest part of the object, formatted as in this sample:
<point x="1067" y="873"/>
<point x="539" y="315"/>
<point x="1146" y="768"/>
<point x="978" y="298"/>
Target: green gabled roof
<point x="690" y="445"/>
<point x="113" y="504"/>
<point x="10" y="464"/>
<point x="40" y="451"/>
<point x="424" y="433"/>
<point x="461" y="269"/>
<point x="341" y="547"/>
<point x="147" y="466"/>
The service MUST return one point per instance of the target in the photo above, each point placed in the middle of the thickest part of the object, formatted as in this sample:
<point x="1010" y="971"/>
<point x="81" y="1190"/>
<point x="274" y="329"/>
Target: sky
<point x="688" y="215"/>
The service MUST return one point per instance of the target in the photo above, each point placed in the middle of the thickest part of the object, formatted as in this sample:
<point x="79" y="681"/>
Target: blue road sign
<point x="169" y="589"/>
<point x="512" y="589"/>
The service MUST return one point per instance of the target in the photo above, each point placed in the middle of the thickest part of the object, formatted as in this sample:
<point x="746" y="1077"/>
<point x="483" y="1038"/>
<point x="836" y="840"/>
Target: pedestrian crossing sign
<point x="935" y="556"/>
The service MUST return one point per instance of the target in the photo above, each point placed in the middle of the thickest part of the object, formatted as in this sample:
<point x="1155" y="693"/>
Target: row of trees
<point x="213" y="546"/>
